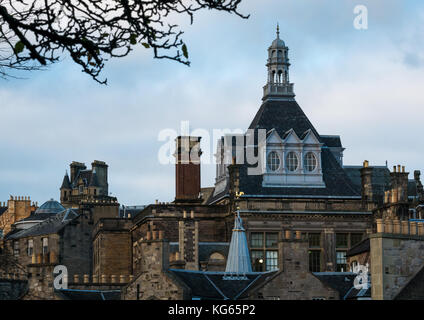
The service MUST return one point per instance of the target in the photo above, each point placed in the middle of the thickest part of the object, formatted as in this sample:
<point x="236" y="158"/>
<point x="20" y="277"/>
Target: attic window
<point x="292" y="161"/>
<point x="310" y="162"/>
<point x="273" y="161"/>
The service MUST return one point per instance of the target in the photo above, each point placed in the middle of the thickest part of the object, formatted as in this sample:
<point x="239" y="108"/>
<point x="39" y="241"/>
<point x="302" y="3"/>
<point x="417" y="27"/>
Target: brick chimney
<point x="187" y="169"/>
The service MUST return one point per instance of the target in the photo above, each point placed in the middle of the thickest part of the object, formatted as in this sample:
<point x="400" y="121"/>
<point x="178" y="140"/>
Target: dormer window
<point x="273" y="161"/>
<point x="310" y="162"/>
<point x="292" y="161"/>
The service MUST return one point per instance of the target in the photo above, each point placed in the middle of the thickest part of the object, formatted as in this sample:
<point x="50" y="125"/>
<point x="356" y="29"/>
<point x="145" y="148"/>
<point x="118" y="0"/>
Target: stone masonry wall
<point x="153" y="282"/>
<point x="395" y="260"/>
<point x="294" y="281"/>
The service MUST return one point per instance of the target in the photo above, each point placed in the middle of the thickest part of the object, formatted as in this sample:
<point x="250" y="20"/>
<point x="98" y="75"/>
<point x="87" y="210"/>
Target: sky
<point x="364" y="85"/>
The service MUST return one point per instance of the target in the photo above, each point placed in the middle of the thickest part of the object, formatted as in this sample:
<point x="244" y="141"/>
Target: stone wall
<point x="396" y="258"/>
<point x="294" y="281"/>
<point x="154" y="282"/>
<point x="112" y="247"/>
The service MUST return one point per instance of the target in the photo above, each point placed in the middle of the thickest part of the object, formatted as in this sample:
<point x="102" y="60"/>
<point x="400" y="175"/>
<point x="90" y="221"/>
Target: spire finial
<point x="278" y="31"/>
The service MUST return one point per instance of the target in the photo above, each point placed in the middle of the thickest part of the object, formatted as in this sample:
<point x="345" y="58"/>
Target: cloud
<point x="364" y="85"/>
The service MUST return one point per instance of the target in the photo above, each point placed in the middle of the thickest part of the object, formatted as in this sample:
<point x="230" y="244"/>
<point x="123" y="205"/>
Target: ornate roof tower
<point x="278" y="84"/>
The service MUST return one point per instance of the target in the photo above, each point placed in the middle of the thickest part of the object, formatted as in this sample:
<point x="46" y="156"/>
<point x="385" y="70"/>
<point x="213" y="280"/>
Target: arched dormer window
<point x="273" y="161"/>
<point x="292" y="161"/>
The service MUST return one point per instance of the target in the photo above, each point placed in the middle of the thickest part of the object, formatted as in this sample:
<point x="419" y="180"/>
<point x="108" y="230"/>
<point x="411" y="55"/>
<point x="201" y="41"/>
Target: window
<point x="271" y="240"/>
<point x="341" y="261"/>
<point x="271" y="260"/>
<point x="273" y="161"/>
<point x="81" y="189"/>
<point x="264" y="252"/>
<point x="310" y="162"/>
<point x="30" y="247"/>
<point x="315" y="260"/>
<point x="45" y="245"/>
<point x="314" y="240"/>
<point x="257" y="260"/>
<point x="292" y="161"/>
<point x="257" y="240"/>
<point x="314" y="252"/>
<point x="1" y="233"/>
<point x="341" y="240"/>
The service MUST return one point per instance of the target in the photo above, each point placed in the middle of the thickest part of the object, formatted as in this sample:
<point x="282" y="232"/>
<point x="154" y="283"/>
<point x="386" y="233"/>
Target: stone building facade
<point x="304" y="212"/>
<point x="14" y="210"/>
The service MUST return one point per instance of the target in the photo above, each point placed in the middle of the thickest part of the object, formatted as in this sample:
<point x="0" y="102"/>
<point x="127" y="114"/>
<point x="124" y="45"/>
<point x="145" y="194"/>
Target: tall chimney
<point x="366" y="181"/>
<point x="187" y="168"/>
<point x="399" y="183"/>
<point x="75" y="168"/>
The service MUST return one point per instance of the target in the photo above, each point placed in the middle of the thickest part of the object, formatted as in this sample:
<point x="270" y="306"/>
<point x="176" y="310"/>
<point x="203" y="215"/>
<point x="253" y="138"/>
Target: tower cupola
<point x="278" y="84"/>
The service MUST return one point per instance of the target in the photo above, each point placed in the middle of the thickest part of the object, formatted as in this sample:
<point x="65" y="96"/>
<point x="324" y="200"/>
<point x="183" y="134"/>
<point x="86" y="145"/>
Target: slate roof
<point x="380" y="178"/>
<point x="51" y="225"/>
<point x="213" y="286"/>
<point x="3" y="210"/>
<point x="332" y="141"/>
<point x="66" y="184"/>
<point x="73" y="294"/>
<point x="363" y="246"/>
<point x="85" y="175"/>
<point x="354" y="294"/>
<point x="342" y="282"/>
<point x="282" y="116"/>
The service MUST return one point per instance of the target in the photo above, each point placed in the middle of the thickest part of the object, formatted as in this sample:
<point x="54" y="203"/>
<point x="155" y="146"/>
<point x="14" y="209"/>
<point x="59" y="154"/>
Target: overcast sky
<point x="364" y="85"/>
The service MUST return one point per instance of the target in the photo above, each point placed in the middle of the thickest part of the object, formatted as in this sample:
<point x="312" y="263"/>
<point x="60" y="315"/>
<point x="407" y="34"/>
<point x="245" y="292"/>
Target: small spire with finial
<point x="278" y="31"/>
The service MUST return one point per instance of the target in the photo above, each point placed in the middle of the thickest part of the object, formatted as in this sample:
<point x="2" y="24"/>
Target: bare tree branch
<point x="37" y="33"/>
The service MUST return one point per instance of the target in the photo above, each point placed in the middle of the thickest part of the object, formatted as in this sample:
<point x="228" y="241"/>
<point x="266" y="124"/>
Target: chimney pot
<point x="380" y="226"/>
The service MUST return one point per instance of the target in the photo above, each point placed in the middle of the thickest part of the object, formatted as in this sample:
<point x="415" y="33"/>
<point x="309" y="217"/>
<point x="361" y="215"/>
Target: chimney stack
<point x="187" y="168"/>
<point x="75" y="168"/>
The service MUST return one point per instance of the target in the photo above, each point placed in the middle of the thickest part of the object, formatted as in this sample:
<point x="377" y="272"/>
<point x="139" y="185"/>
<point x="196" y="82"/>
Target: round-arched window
<point x="310" y="162"/>
<point x="273" y="161"/>
<point x="292" y="161"/>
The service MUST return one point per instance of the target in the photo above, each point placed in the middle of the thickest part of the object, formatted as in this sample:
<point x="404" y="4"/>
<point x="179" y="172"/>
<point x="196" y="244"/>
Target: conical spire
<point x="66" y="184"/>
<point x="238" y="261"/>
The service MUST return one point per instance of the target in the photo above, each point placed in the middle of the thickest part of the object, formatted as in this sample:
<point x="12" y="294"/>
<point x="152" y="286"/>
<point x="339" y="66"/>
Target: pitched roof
<point x="3" y="210"/>
<point x="213" y="285"/>
<point x="51" y="225"/>
<point x="74" y="294"/>
<point x="332" y="141"/>
<point x="85" y="175"/>
<point x="363" y="246"/>
<point x="380" y="178"/>
<point x="342" y="282"/>
<point x="282" y="115"/>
